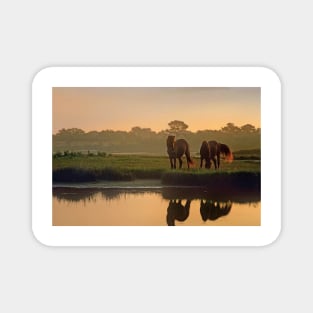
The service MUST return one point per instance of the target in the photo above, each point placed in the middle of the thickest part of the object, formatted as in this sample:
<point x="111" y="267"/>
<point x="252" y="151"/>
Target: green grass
<point x="252" y="154"/>
<point x="80" y="168"/>
<point x="113" y="161"/>
<point x="122" y="167"/>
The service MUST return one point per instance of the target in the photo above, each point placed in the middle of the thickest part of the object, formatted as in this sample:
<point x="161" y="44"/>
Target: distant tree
<point x="93" y="136"/>
<point x="70" y="132"/>
<point x="143" y="133"/>
<point x="93" y="133"/>
<point x="248" y="128"/>
<point x="139" y="130"/>
<point x="69" y="136"/>
<point x="140" y="139"/>
<point x="230" y="128"/>
<point x="135" y="129"/>
<point x="177" y="126"/>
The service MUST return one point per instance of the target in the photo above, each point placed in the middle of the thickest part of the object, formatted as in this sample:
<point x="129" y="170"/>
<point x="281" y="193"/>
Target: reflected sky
<point x="150" y="208"/>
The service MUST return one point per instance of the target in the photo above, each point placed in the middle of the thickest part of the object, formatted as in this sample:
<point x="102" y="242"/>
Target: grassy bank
<point x="217" y="182"/>
<point x="112" y="167"/>
<point x="74" y="174"/>
<point x="216" y="178"/>
<point x="85" y="168"/>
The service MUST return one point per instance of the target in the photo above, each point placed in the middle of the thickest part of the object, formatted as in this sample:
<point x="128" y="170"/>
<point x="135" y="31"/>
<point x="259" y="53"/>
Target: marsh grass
<point x="84" y="168"/>
<point x="214" y="179"/>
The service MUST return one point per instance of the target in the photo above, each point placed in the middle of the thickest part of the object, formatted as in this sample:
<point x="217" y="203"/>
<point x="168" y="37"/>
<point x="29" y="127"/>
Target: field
<point x="244" y="170"/>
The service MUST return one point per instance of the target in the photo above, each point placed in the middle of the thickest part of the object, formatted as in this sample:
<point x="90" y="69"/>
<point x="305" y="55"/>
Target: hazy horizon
<point x="121" y="108"/>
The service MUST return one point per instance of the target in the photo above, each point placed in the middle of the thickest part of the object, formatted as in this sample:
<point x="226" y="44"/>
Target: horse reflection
<point x="176" y="149"/>
<point x="212" y="210"/>
<point x="211" y="151"/>
<point x="177" y="211"/>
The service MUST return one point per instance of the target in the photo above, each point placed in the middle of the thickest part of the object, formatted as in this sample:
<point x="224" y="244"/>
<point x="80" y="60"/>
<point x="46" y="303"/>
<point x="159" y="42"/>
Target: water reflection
<point x="209" y="210"/>
<point x="177" y="211"/>
<point x="153" y="207"/>
<point x="212" y="210"/>
<point x="89" y="194"/>
<point x="168" y="193"/>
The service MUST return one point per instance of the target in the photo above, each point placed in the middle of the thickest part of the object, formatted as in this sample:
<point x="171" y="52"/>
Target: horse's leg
<point x="218" y="160"/>
<point x="208" y="162"/>
<point x="174" y="162"/>
<point x="201" y="162"/>
<point x="180" y="162"/>
<point x="214" y="160"/>
<point x="171" y="162"/>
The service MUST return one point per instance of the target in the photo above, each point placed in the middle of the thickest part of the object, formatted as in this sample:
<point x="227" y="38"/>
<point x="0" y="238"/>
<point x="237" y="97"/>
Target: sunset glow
<point x="154" y="107"/>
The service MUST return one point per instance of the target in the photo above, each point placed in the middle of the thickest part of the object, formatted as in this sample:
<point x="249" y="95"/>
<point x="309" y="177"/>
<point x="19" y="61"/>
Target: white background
<point x="36" y="34"/>
<point x="262" y="77"/>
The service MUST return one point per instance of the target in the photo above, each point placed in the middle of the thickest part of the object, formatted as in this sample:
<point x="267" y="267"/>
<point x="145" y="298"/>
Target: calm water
<point x="153" y="207"/>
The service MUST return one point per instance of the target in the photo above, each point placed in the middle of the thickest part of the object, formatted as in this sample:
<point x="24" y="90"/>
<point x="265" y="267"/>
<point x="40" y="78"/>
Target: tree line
<point x="145" y="140"/>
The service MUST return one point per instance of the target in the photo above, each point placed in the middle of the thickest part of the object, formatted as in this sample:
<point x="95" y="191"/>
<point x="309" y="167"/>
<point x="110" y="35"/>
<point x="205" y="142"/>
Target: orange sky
<point x="120" y="108"/>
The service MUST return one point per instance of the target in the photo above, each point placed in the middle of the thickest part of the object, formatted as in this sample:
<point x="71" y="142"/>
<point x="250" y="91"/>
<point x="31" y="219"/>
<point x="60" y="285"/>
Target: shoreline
<point x="222" y="179"/>
<point x="75" y="193"/>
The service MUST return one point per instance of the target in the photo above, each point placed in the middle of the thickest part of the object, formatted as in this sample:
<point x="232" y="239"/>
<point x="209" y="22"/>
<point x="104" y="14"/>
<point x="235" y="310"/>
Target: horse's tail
<point x="189" y="160"/>
<point x="227" y="152"/>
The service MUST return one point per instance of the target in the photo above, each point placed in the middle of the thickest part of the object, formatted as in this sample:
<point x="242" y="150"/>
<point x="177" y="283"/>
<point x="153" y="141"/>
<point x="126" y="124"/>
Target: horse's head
<point x="170" y="143"/>
<point x="227" y="152"/>
<point x="170" y="139"/>
<point x="229" y="158"/>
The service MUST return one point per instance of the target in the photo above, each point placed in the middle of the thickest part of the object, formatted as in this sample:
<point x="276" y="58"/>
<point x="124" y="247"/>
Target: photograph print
<point x="156" y="156"/>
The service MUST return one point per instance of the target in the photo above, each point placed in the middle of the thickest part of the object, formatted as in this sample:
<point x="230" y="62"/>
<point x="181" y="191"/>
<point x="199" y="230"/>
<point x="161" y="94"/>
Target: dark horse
<point x="211" y="151"/>
<point x="176" y="149"/>
<point x="177" y="211"/>
<point x="212" y="210"/>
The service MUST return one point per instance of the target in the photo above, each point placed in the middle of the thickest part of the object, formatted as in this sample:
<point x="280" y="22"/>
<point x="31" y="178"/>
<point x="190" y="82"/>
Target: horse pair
<point x="209" y="210"/>
<point x="209" y="151"/>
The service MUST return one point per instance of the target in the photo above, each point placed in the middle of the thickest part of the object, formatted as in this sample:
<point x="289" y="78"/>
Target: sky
<point x="120" y="108"/>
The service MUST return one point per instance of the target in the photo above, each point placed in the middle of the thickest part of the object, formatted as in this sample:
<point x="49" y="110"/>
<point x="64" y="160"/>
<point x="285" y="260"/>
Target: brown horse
<point x="212" y="210"/>
<point x="176" y="149"/>
<point x="211" y="151"/>
<point x="177" y="211"/>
